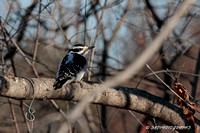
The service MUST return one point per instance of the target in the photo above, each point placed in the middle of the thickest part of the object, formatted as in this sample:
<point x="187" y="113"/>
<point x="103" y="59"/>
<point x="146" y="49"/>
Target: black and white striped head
<point x="80" y="49"/>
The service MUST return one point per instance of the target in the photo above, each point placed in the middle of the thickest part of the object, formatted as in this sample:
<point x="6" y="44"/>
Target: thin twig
<point x="173" y="71"/>
<point x="22" y="53"/>
<point x="92" y="55"/>
<point x="10" y="9"/>
<point x="37" y="41"/>
<point x="91" y="121"/>
<point x="23" y="113"/>
<point x="2" y="59"/>
<point x="120" y="24"/>
<point x="85" y="22"/>
<point x="95" y="40"/>
<point x="8" y="48"/>
<point x="13" y="115"/>
<point x="64" y="34"/>
<point x="168" y="86"/>
<point x="113" y="114"/>
<point x="138" y="120"/>
<point x="61" y="12"/>
<point x="98" y="115"/>
<point x="195" y="82"/>
<point x="59" y="109"/>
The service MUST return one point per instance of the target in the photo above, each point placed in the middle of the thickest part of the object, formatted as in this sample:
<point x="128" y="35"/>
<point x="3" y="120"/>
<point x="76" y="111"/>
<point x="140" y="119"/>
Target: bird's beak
<point x="88" y="48"/>
<point x="91" y="47"/>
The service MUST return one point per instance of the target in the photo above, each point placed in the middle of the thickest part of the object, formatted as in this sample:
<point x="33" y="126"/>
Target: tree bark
<point x="120" y="97"/>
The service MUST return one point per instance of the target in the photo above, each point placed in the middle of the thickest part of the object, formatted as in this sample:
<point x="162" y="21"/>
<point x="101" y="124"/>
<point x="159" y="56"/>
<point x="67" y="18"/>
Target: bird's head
<point x="80" y="49"/>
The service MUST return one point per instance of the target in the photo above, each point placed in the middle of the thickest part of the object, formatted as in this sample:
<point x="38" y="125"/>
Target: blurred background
<point x="40" y="32"/>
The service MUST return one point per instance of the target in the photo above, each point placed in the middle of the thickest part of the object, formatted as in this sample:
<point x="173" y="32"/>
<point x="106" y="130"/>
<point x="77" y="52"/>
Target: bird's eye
<point x="76" y="50"/>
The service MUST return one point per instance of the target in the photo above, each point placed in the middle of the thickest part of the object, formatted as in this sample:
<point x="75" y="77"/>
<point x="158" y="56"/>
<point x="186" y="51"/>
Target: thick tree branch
<point x="120" y="97"/>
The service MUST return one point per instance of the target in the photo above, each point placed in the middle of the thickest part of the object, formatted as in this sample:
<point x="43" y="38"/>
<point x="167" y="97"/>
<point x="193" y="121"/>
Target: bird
<point x="73" y="66"/>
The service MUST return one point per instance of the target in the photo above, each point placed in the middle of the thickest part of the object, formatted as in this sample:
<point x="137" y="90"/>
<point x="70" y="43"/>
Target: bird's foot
<point x="80" y="82"/>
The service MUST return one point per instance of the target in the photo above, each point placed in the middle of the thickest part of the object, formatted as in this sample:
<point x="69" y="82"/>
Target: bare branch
<point x="121" y="97"/>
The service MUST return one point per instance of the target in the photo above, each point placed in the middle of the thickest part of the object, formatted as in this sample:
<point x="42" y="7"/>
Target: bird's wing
<point x="71" y="65"/>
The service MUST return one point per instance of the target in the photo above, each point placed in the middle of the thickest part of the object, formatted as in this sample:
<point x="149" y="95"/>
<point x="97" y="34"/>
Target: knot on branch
<point x="4" y="85"/>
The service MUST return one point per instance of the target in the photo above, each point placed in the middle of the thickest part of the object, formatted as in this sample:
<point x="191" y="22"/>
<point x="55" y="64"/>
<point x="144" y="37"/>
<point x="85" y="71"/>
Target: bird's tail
<point x="59" y="83"/>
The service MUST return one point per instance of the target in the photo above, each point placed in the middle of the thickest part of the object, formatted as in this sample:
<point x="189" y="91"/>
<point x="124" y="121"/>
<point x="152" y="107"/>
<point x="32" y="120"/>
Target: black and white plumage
<point x="73" y="66"/>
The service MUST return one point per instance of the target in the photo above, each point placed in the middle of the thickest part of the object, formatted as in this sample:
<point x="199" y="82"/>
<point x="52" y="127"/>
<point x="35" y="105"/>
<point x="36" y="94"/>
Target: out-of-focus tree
<point x="35" y="36"/>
